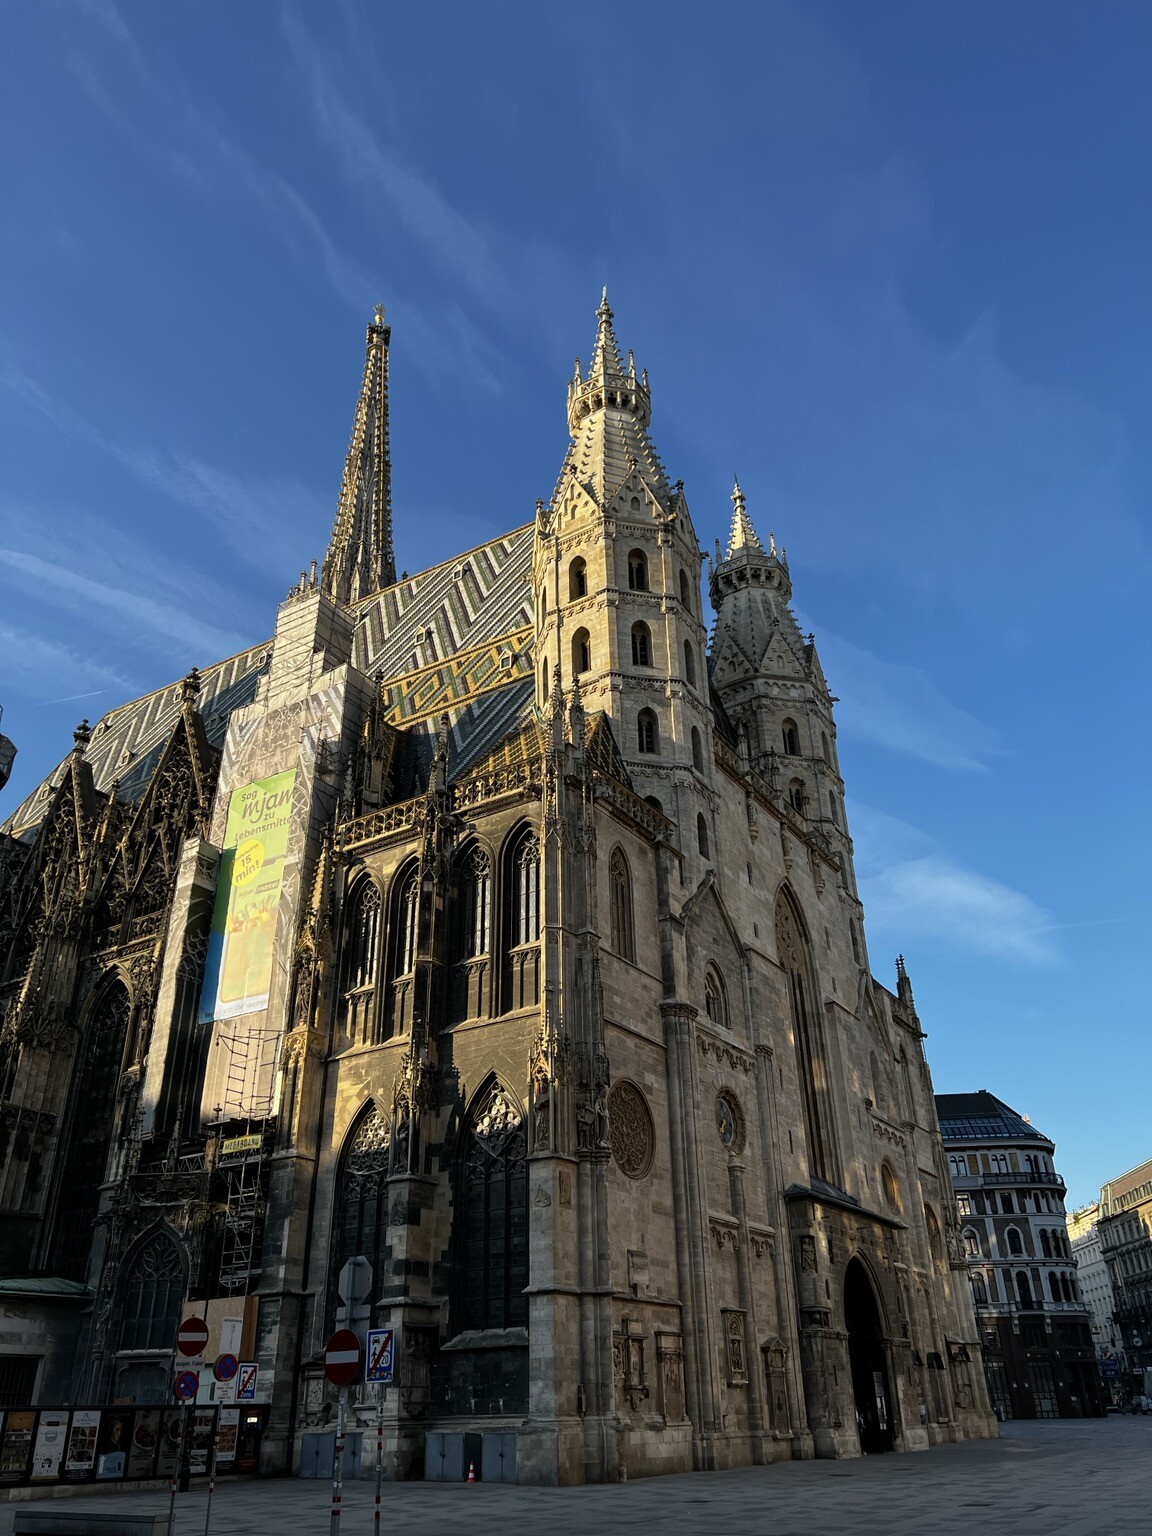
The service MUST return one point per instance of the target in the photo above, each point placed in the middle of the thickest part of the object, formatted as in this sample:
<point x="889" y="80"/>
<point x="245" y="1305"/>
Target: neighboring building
<point x="1096" y="1288"/>
<point x="1125" y="1227"/>
<point x="1035" y="1327"/>
<point x="488" y="924"/>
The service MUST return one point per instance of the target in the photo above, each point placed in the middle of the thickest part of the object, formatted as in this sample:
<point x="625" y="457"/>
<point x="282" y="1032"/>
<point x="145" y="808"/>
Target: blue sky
<point x="886" y="261"/>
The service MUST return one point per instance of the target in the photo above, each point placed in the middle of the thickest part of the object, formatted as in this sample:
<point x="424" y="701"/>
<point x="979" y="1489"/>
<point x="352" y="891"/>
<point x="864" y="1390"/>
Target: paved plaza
<point x="1076" y="1478"/>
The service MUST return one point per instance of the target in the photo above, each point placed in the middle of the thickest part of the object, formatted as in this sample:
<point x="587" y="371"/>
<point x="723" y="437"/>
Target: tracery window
<point x="620" y="879"/>
<point x="526" y="913"/>
<point x="715" y="997"/>
<point x="490" y="1231"/>
<point x="475" y="903"/>
<point x="794" y="954"/>
<point x="361" y="1216"/>
<point x="638" y="570"/>
<point x="520" y="924"/>
<point x="641" y="645"/>
<point x="153" y="1291"/>
<point x="361" y="937"/>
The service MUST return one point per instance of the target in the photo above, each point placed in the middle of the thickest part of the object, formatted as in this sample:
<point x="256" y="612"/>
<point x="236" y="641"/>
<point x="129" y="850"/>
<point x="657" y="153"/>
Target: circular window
<point x="630" y="1133"/>
<point x="730" y="1122"/>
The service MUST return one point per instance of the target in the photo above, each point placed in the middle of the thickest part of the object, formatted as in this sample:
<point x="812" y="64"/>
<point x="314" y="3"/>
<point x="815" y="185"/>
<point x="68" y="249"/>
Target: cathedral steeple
<point x="609" y="410"/>
<point x="360" y="557"/>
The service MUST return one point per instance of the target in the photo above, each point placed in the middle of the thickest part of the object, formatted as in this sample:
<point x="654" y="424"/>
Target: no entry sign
<point x="342" y="1358"/>
<point x="191" y="1336"/>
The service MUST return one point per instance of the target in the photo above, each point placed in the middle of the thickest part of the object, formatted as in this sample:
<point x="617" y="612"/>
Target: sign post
<point x="342" y="1358"/>
<point x="378" y="1367"/>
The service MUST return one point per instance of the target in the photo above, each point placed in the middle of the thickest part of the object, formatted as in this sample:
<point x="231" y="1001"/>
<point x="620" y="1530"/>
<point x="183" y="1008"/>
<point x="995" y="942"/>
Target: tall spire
<point x="360" y="557"/>
<point x="743" y="535"/>
<point x="609" y="409"/>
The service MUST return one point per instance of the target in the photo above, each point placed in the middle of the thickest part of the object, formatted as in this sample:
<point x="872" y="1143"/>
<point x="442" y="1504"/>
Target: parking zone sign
<point x="246" y="1383"/>
<point x="380" y="1355"/>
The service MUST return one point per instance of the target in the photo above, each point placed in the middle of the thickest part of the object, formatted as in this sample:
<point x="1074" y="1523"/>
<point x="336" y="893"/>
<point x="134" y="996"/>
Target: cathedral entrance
<point x="870" y="1385"/>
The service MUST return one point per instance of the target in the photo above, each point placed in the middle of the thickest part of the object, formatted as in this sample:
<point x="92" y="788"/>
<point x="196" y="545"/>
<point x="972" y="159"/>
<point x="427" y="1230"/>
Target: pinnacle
<point x="606" y="359"/>
<point x="743" y="535"/>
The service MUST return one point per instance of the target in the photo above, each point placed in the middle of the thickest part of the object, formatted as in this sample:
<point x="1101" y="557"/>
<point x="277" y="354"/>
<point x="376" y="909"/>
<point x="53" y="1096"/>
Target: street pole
<point x="379" y="1458"/>
<point x="338" y="1464"/>
<point x="211" y="1474"/>
<point x="176" y="1473"/>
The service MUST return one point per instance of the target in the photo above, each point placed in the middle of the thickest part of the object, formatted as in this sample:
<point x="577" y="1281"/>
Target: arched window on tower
<point x="620" y="879"/>
<point x="797" y="795"/>
<point x="359" y="960"/>
<point x="715" y="997"/>
<point x="702" y="836"/>
<point x="689" y="664"/>
<point x="824" y="752"/>
<point x="544" y="682"/>
<point x="697" y="750"/>
<point x="685" y="591"/>
<point x="638" y="570"/>
<point x="521" y="885"/>
<point x="794" y="954"/>
<point x="581" y="652"/>
<point x="791" y="738"/>
<point x="641" y="645"/>
<point x="647" y="733"/>
<point x="577" y="579"/>
<point x="490" y="1226"/>
<point x="405" y="908"/>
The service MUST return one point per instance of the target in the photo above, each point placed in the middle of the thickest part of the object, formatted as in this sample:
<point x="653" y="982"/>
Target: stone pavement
<point x="1075" y="1478"/>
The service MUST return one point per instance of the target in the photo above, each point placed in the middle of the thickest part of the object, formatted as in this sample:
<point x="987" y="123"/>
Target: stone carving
<point x="726" y="1055"/>
<point x="725" y="1233"/>
<point x="736" y="1351"/>
<point x="630" y="1131"/>
<point x="808" y="1255"/>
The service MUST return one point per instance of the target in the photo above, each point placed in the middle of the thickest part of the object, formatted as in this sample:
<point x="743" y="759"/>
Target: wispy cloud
<point x="134" y="610"/>
<point x="912" y="889"/>
<point x="897" y="705"/>
<point x="33" y="665"/>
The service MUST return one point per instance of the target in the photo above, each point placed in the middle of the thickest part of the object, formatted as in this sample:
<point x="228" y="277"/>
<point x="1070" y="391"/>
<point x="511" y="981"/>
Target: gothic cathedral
<point x="497" y="925"/>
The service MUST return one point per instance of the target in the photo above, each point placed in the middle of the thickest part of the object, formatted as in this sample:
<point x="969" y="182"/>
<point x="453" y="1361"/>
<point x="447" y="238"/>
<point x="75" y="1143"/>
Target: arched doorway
<point x="871" y="1388"/>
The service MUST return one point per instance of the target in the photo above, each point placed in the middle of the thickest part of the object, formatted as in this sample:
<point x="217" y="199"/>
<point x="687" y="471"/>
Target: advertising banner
<point x="145" y="1442"/>
<point x="16" y="1445"/>
<point x="51" y="1437"/>
<point x="226" y="1432"/>
<point x="238" y="972"/>
<point x="112" y="1444"/>
<point x="81" y="1454"/>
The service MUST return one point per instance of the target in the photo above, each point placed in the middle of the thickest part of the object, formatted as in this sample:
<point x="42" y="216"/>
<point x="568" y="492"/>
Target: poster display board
<point x="80" y="1457"/>
<point x="112" y="1444"/>
<point x="226" y="1436"/>
<point x="238" y="971"/>
<point x="50" y="1444"/>
<point x="16" y="1445"/>
<point x="145" y="1443"/>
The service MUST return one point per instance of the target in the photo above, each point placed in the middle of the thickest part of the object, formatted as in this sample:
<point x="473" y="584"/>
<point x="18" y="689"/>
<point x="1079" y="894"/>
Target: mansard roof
<point x="982" y="1117"/>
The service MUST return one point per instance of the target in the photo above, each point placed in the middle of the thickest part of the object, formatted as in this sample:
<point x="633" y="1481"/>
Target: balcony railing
<point x="1024" y="1177"/>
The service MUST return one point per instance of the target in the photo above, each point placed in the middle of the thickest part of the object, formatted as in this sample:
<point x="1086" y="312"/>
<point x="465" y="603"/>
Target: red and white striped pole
<point x="338" y="1465"/>
<point x="211" y="1474"/>
<point x="379" y="1459"/>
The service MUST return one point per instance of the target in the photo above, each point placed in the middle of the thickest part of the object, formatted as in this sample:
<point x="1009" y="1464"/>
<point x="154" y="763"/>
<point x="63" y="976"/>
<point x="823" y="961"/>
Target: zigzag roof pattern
<point x="468" y="604"/>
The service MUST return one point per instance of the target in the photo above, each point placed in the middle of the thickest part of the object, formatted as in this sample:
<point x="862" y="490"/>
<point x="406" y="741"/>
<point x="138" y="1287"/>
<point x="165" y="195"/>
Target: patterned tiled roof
<point x="455" y="638"/>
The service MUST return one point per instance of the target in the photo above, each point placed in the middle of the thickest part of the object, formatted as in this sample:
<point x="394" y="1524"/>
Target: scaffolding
<point x="245" y="1114"/>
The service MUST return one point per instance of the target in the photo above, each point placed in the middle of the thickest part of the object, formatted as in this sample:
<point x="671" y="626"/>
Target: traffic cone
<point x="471" y="1471"/>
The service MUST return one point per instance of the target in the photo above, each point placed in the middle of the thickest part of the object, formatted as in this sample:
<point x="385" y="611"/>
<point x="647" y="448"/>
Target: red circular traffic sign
<point x="191" y="1336"/>
<point x="226" y="1367"/>
<point x="342" y="1358"/>
<point x="187" y="1385"/>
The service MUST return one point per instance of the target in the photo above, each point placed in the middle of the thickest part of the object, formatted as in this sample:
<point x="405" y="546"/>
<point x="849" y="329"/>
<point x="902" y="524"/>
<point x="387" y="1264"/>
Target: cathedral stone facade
<point x="496" y="924"/>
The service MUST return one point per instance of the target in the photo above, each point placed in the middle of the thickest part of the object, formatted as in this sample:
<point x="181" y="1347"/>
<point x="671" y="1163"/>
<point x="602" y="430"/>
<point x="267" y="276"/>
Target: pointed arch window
<point x="520" y="922"/>
<point x="620" y="879"/>
<point x="526" y="914"/>
<point x="581" y="652"/>
<point x="697" y="750"/>
<point x="794" y="954"/>
<point x="490" y="1226"/>
<point x="797" y="795"/>
<point x="638" y="570"/>
<point x="475" y="903"/>
<point x="715" y="997"/>
<point x="577" y="579"/>
<point x="97" y="1074"/>
<point x="685" y="591"/>
<point x="404" y="909"/>
<point x="689" y="664"/>
<point x="647" y="733"/>
<point x="361" y="1215"/>
<point x="361" y="937"/>
<point x="791" y="737"/>
<point x="641" y="645"/>
<point x="153" y="1289"/>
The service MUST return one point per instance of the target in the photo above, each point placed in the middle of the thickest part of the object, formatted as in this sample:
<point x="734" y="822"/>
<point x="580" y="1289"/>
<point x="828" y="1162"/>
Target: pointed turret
<point x="743" y="535"/>
<point x="609" y="410"/>
<point x="360" y="557"/>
